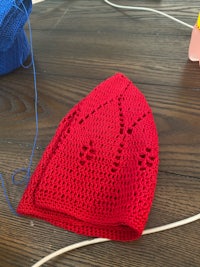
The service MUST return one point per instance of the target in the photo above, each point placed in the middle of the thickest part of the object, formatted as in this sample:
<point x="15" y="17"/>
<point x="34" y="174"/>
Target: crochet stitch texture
<point x="14" y="47"/>
<point x="97" y="177"/>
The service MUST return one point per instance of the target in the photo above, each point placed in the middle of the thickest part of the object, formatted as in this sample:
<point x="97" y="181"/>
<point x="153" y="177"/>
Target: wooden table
<point x="77" y="44"/>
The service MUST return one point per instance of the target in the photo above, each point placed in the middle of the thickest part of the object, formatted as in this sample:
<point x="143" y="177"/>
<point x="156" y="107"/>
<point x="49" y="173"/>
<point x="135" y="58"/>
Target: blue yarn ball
<point x="14" y="47"/>
<point x="15" y="56"/>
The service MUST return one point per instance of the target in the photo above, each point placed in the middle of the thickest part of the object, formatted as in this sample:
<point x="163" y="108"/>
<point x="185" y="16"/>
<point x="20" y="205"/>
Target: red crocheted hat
<point x="97" y="176"/>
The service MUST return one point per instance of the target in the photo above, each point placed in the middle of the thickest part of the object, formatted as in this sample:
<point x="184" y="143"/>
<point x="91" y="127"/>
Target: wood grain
<point x="77" y="44"/>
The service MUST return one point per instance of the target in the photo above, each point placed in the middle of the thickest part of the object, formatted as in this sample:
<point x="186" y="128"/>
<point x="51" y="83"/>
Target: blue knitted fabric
<point x="14" y="47"/>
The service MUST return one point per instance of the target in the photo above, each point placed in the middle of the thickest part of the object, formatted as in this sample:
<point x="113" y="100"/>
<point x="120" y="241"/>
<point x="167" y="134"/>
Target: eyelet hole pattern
<point x="146" y="160"/>
<point x="68" y="120"/>
<point x="93" y="111"/>
<point x="116" y="163"/>
<point x="130" y="130"/>
<point x="87" y="153"/>
<point x="121" y="115"/>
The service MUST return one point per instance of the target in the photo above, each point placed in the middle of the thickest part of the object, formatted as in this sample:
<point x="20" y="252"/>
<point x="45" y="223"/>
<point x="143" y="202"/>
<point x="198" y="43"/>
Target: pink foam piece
<point x="194" y="47"/>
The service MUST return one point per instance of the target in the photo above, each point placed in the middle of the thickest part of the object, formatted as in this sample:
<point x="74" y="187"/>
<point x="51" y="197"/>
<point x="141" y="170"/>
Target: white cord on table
<point x="149" y="10"/>
<point x="37" y="1"/>
<point x="102" y="240"/>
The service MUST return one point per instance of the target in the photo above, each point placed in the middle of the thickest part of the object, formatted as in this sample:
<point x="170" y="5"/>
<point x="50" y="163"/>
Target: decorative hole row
<point x="87" y="153"/>
<point x="69" y="119"/>
<point x="130" y="130"/>
<point x="116" y="163"/>
<point x="146" y="159"/>
<point x="94" y="110"/>
<point x="121" y="116"/>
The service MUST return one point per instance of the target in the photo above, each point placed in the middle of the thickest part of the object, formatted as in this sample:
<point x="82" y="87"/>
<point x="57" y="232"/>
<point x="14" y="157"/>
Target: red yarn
<point x="97" y="176"/>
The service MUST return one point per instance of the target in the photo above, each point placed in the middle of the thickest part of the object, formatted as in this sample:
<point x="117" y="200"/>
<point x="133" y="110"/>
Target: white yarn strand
<point x="102" y="240"/>
<point x="172" y="225"/>
<point x="149" y="10"/>
<point x="37" y="1"/>
<point x="147" y="231"/>
<point x="70" y="248"/>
